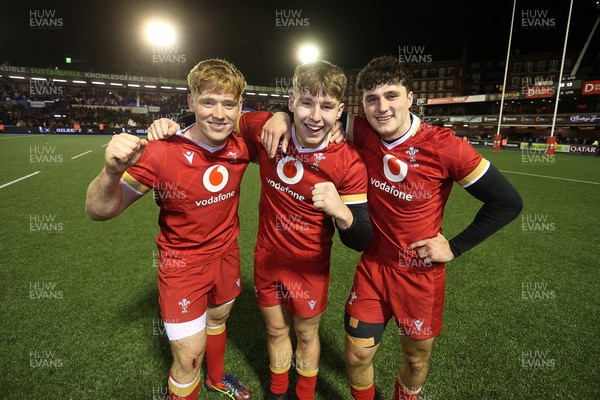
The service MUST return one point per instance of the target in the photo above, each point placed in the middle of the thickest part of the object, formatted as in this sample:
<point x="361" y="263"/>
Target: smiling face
<point x="387" y="108"/>
<point x="386" y="87"/>
<point x="316" y="100"/>
<point x="314" y="117"/>
<point x="216" y="116"/>
<point x="216" y="88"/>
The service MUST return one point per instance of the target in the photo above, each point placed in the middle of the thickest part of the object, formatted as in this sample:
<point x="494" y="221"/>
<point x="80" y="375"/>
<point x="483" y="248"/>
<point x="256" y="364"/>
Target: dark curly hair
<point x="384" y="70"/>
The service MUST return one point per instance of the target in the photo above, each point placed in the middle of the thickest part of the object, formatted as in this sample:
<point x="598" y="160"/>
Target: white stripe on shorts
<point x="176" y="331"/>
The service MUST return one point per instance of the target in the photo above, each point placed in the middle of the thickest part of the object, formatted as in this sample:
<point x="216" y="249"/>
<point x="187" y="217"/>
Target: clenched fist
<point x="326" y="197"/>
<point x="122" y="152"/>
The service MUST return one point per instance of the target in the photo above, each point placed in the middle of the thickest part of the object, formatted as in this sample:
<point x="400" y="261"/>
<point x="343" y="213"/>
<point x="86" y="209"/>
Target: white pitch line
<point x="105" y="144"/>
<point x="20" y="179"/>
<point x="552" y="177"/>
<point x="79" y="155"/>
<point x="19" y="137"/>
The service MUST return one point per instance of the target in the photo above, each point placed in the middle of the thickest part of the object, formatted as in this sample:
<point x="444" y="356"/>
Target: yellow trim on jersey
<point x="185" y="391"/>
<point x="416" y="126"/>
<point x="216" y="330"/>
<point x="354" y="198"/>
<point x="236" y="130"/>
<point x="475" y="174"/>
<point x="131" y="181"/>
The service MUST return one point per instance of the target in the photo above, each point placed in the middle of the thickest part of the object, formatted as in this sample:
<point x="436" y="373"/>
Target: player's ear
<point x="191" y="104"/>
<point x="340" y="110"/>
<point x="410" y="98"/>
<point x="291" y="103"/>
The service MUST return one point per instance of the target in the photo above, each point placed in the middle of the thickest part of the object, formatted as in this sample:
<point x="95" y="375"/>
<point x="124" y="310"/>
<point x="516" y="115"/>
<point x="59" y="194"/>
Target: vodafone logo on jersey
<point x="395" y="170"/>
<point x="290" y="170"/>
<point x="215" y="178"/>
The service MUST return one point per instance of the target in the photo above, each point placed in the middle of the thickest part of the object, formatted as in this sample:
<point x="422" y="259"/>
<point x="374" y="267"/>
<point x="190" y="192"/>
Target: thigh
<point x="417" y="302"/>
<point x="227" y="278"/>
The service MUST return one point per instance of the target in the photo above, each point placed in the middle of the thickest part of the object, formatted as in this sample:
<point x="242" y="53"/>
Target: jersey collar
<point x="415" y="123"/>
<point x="301" y="149"/>
<point x="206" y="147"/>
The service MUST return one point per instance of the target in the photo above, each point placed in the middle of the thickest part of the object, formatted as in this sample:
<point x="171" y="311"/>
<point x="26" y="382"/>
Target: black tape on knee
<point x="363" y="334"/>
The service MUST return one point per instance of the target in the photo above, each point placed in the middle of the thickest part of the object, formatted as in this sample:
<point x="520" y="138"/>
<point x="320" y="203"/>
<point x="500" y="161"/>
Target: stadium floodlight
<point x="160" y="34"/>
<point x="308" y="53"/>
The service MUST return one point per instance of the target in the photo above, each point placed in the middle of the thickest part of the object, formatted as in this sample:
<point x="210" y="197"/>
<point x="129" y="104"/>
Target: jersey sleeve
<point x="462" y="163"/>
<point x="250" y="125"/>
<point x="141" y="177"/>
<point x="353" y="187"/>
<point x="359" y="130"/>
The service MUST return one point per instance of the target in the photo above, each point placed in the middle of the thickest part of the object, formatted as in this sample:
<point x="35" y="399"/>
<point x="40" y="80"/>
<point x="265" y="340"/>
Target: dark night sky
<point x="107" y="33"/>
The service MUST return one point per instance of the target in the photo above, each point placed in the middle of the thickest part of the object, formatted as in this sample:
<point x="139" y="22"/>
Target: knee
<point x="278" y="330"/>
<point x="308" y="335"/>
<point x="358" y="356"/>
<point x="188" y="362"/>
<point x="418" y="362"/>
<point x="217" y="316"/>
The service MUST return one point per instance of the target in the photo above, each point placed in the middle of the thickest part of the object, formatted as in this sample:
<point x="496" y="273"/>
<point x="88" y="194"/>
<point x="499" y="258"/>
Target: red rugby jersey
<point x="289" y="222"/>
<point x="410" y="181"/>
<point x="197" y="189"/>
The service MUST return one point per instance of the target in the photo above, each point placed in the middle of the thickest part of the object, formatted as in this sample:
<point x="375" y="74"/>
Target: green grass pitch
<point x="80" y="317"/>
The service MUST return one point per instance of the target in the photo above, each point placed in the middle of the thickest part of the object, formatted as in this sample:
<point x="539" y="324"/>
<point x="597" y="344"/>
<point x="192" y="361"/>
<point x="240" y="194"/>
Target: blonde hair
<point x="319" y="76"/>
<point x="216" y="75"/>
